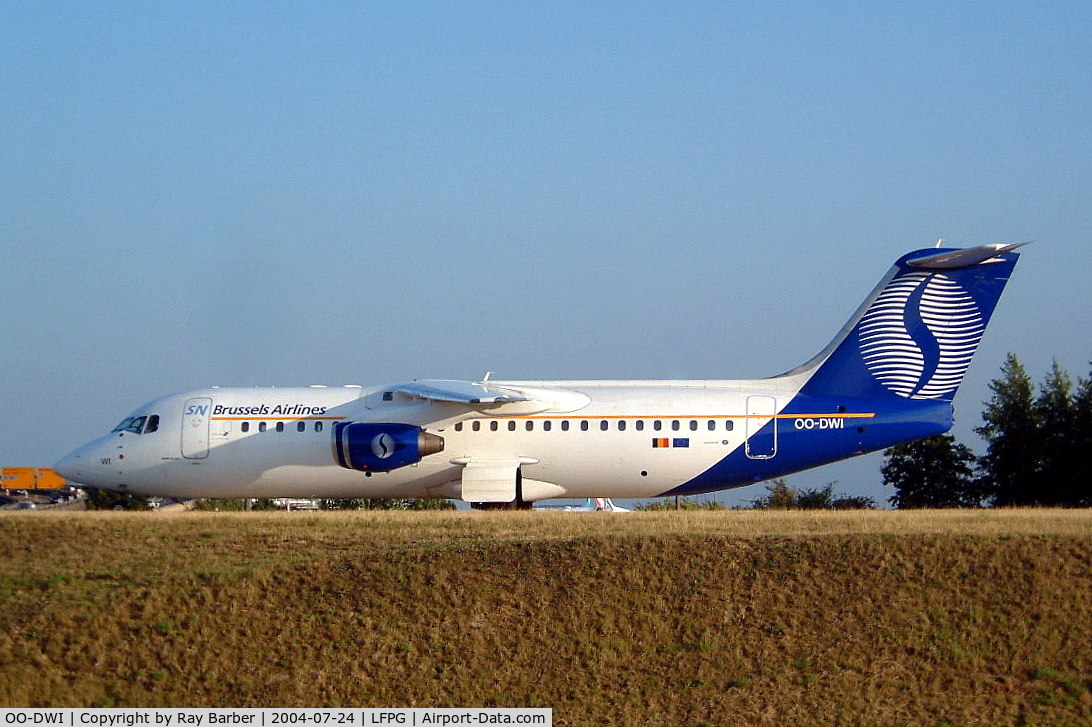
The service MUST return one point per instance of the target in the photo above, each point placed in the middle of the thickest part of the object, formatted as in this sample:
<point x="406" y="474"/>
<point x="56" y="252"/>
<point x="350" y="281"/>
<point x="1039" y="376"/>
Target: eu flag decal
<point x="664" y="442"/>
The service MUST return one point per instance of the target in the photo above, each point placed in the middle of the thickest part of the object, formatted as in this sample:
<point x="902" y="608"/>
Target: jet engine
<point x="382" y="447"/>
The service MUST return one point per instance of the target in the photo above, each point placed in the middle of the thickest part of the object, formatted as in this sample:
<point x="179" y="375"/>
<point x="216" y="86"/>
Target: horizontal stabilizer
<point x="963" y="258"/>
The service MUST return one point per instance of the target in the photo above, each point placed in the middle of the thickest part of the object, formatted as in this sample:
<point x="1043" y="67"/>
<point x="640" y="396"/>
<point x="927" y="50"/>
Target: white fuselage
<point x="595" y="438"/>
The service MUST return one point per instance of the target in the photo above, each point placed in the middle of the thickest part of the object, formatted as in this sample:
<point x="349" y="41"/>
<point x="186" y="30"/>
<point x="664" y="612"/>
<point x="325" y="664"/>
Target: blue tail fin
<point x="915" y="335"/>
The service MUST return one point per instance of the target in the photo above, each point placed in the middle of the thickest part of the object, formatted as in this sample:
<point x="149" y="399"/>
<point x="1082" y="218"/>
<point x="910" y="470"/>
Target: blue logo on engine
<point x="383" y="445"/>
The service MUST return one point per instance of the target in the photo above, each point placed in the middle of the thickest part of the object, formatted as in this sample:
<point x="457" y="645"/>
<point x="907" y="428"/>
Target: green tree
<point x="98" y="499"/>
<point x="819" y="498"/>
<point x="1011" y="431"/>
<point x="781" y="496"/>
<point x="231" y="505"/>
<point x="931" y="472"/>
<point x="375" y="503"/>
<point x="1082" y="436"/>
<point x="853" y="502"/>
<point x="1059" y="448"/>
<point x="685" y="503"/>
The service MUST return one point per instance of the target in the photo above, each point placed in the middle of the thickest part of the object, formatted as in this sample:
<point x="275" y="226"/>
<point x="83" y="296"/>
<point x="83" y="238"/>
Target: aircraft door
<point x="195" y="428"/>
<point x="761" y="427"/>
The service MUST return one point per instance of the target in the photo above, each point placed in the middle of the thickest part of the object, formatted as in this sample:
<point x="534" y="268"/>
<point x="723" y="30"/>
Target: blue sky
<point x="281" y="194"/>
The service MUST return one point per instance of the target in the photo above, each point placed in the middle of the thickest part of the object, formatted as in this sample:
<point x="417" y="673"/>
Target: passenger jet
<point x="888" y="377"/>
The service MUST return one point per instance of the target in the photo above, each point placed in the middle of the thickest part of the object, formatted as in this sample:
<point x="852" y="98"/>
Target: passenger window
<point x="493" y="426"/>
<point x="657" y="425"/>
<point x="604" y="425"/>
<point x="674" y="425"/>
<point x="458" y="426"/>
<point x="244" y="427"/>
<point x="640" y="425"/>
<point x="318" y="426"/>
<point x="529" y="426"/>
<point x="728" y="425"/>
<point x="152" y="425"/>
<point x="388" y="396"/>
<point x="280" y="426"/>
<point x="511" y="426"/>
<point x="621" y="425"/>
<point x="565" y="425"/>
<point x="584" y="425"/>
<point x="300" y="426"/>
<point x="712" y="425"/>
<point x="261" y="426"/>
<point x="476" y="426"/>
<point x="546" y="425"/>
<point x="693" y="425"/>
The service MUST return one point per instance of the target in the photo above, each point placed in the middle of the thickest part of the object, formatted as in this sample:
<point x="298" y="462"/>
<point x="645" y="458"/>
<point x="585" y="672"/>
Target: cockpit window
<point x="132" y="424"/>
<point x="152" y="425"/>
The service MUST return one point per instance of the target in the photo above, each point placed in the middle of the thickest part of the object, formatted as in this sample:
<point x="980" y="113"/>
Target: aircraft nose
<point x="81" y="465"/>
<point x="68" y="466"/>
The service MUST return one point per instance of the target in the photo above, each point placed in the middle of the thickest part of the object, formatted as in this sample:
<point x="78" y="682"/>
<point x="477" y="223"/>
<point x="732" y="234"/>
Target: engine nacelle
<point x="382" y="447"/>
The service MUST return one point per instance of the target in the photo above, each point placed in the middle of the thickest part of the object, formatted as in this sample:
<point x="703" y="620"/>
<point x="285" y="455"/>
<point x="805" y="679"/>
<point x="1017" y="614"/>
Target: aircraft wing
<point x="461" y="392"/>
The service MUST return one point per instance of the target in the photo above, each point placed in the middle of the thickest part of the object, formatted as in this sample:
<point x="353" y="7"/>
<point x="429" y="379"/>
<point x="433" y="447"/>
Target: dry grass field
<point x="670" y="618"/>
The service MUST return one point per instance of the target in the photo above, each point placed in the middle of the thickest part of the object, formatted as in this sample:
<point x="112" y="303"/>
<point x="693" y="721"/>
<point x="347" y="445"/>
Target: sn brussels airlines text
<point x="263" y="717"/>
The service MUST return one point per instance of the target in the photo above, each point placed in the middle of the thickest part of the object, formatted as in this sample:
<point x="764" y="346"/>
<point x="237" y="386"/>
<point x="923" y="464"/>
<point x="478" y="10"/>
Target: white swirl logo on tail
<point x="919" y="335"/>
